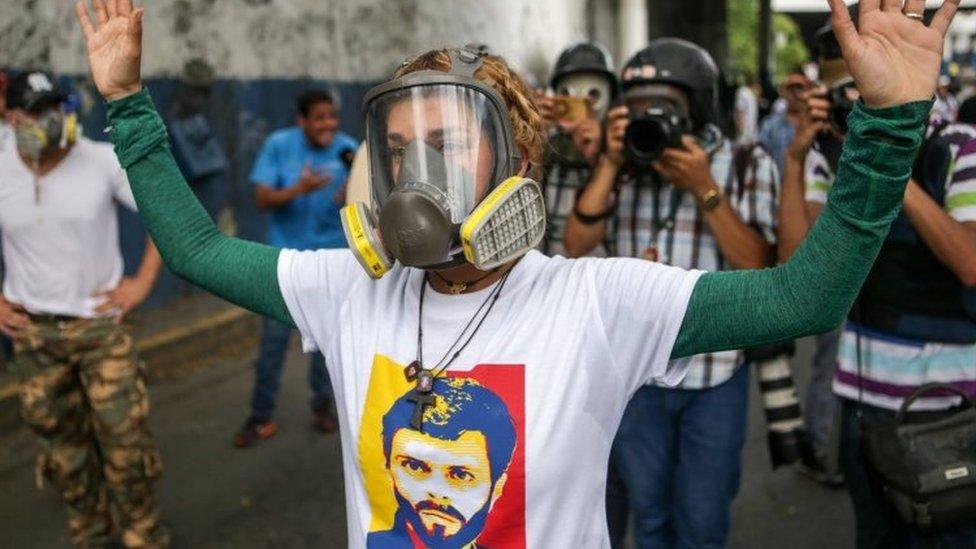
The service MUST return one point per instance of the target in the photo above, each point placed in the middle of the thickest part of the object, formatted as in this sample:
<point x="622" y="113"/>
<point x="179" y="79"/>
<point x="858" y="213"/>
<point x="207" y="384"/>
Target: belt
<point x="53" y="318"/>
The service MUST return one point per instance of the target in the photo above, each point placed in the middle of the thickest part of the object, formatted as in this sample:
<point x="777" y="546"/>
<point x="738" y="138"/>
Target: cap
<point x="33" y="90"/>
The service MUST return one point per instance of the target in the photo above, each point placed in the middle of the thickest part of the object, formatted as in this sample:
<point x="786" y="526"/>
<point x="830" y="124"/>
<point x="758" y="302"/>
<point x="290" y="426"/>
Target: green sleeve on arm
<point x="245" y="273"/>
<point x="813" y="292"/>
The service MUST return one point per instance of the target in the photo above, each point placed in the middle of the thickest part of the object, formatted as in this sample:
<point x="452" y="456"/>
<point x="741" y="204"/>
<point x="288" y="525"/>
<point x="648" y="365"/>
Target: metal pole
<point x="765" y="42"/>
<point x="633" y="26"/>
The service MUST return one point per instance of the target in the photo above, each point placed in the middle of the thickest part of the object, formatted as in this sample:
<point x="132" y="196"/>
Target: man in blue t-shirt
<point x="300" y="176"/>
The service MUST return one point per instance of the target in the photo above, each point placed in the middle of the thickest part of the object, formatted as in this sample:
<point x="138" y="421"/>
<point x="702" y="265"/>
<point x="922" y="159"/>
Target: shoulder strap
<point x="742" y="159"/>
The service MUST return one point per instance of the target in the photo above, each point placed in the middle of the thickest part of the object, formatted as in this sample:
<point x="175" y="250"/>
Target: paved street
<point x="288" y="492"/>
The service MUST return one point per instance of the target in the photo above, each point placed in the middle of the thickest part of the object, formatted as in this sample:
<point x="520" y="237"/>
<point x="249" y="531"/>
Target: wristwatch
<point x="711" y="199"/>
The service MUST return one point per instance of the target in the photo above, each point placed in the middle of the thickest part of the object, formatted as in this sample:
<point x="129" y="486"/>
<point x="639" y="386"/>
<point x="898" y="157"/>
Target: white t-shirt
<point x="747" y="107"/>
<point x="6" y="135"/>
<point x="62" y="246"/>
<point x="818" y="177"/>
<point x="514" y="451"/>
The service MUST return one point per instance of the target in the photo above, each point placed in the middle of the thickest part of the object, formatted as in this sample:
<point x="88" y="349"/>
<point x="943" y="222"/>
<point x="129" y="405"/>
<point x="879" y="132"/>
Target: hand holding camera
<point x="546" y="106"/>
<point x="617" y="121"/>
<point x="686" y="167"/>
<point x="812" y="123"/>
<point x="569" y="111"/>
<point x="587" y="136"/>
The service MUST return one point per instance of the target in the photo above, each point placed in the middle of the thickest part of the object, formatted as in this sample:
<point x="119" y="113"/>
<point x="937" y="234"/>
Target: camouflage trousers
<point x="83" y="392"/>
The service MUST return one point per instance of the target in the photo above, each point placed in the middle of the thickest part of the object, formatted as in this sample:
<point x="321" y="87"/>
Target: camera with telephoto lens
<point x="788" y="441"/>
<point x="650" y="133"/>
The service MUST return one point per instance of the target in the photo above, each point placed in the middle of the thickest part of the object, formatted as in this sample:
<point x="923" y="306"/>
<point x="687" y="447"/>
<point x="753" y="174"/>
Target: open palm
<point x="114" y="46"/>
<point x="893" y="58"/>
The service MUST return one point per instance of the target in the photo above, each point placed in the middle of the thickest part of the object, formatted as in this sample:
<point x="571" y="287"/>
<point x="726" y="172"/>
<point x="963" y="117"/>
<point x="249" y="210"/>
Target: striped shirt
<point x="892" y="367"/>
<point x="819" y="176"/>
<point x="564" y="173"/>
<point x="658" y="221"/>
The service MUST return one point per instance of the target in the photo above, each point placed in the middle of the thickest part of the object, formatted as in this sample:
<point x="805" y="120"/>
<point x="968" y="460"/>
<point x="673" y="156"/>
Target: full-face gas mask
<point x="593" y="87"/>
<point x="443" y="165"/>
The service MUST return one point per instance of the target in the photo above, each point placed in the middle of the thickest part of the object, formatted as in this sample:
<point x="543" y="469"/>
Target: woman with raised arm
<point x="479" y="384"/>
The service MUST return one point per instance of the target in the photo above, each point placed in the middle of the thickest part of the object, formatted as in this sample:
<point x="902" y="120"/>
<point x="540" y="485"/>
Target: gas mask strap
<point x="466" y="61"/>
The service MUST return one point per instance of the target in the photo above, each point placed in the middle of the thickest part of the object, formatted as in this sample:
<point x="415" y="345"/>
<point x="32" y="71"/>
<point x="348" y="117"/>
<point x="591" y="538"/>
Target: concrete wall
<point x="264" y="52"/>
<point x="350" y="40"/>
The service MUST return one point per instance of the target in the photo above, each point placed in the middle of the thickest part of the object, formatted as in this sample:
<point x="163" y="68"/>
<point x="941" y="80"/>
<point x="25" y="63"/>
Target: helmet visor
<point x="440" y="139"/>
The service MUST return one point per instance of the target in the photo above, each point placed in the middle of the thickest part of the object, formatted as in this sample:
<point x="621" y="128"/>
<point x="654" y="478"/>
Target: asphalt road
<point x="288" y="491"/>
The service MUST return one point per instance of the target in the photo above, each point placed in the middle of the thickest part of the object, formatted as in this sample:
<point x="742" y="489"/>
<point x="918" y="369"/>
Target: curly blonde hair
<point x="527" y="123"/>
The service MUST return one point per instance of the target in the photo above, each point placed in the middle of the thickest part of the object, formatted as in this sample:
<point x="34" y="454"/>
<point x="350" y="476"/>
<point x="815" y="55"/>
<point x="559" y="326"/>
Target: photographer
<point x="585" y="84"/>
<point x="777" y="130"/>
<point x="810" y="161"/>
<point x="667" y="189"/>
<point x="913" y="323"/>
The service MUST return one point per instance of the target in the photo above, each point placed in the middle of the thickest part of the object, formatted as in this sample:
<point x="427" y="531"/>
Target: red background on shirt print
<point x="505" y="527"/>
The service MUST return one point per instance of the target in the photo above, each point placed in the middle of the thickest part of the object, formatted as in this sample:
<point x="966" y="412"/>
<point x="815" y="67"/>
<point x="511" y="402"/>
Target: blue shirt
<point x="310" y="221"/>
<point x="775" y="135"/>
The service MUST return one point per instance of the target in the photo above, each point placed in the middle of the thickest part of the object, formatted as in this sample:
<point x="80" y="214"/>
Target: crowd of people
<point x="520" y="302"/>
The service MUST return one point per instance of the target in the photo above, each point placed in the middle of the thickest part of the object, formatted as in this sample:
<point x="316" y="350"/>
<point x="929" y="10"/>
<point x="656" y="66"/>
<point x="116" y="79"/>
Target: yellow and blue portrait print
<point x="437" y="487"/>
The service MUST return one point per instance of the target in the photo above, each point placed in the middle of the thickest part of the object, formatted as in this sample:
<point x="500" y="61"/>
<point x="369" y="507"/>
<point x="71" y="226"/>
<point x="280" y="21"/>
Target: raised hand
<point x="895" y="59"/>
<point x="114" y="46"/>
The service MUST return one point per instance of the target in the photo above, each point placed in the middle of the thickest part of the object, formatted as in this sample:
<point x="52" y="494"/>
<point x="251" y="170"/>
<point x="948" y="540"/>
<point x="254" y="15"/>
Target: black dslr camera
<point x="653" y="131"/>
<point x="841" y="105"/>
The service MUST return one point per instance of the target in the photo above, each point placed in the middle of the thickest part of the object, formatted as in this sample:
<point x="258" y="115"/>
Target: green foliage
<point x="743" y="29"/>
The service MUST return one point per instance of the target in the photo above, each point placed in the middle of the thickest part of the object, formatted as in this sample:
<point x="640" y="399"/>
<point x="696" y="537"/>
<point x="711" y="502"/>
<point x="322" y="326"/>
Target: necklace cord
<point x="464" y="285"/>
<point x="489" y="301"/>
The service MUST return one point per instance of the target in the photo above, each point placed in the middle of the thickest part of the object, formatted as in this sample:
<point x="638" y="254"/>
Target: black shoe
<point x="325" y="419"/>
<point x="814" y="467"/>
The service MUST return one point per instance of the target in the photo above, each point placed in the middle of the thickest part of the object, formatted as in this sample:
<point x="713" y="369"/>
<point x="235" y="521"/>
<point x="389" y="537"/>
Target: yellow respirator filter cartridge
<point x="508" y="223"/>
<point x="364" y="243"/>
<point x="69" y="135"/>
<point x="42" y="138"/>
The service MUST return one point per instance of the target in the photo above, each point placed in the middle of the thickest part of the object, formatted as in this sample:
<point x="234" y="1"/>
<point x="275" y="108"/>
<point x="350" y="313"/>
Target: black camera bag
<point x="927" y="468"/>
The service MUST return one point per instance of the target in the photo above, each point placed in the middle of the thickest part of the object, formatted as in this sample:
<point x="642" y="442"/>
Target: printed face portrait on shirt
<point x="460" y="481"/>
<point x="447" y="477"/>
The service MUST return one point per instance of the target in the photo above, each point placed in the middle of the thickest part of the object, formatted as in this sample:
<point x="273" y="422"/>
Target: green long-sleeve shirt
<point x="809" y="294"/>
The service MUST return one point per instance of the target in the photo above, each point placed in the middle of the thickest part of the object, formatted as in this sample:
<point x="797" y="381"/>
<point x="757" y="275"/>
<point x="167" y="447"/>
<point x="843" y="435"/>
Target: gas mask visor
<point x="440" y="145"/>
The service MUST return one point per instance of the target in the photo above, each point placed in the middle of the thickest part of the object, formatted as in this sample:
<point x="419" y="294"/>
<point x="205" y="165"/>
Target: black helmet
<point x="827" y="45"/>
<point x="584" y="57"/>
<point x="679" y="63"/>
<point x="833" y="69"/>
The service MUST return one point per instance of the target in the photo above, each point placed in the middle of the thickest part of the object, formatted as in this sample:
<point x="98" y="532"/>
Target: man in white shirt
<point x="83" y="390"/>
<point x="746" y="114"/>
